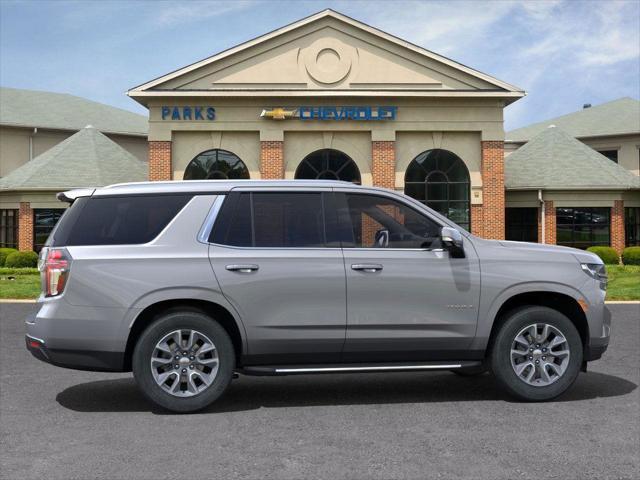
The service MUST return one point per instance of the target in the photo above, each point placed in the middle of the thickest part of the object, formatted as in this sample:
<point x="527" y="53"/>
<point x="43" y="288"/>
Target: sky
<point x="564" y="53"/>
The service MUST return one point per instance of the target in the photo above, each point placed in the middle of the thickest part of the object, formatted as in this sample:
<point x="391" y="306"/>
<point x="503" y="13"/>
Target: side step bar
<point x="355" y="368"/>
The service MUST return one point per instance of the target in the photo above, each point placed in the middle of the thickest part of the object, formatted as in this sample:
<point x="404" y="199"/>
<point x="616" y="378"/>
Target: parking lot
<point x="58" y="423"/>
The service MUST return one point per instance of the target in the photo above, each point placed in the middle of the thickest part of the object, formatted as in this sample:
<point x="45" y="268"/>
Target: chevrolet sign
<point x="365" y="113"/>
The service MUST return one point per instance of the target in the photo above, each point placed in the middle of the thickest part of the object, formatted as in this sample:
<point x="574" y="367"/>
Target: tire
<point x="207" y="375"/>
<point x="470" y="371"/>
<point x="538" y="388"/>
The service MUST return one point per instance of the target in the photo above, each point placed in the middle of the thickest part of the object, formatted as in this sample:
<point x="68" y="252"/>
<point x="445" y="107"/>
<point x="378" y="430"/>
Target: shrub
<point x="4" y="252"/>
<point x="21" y="260"/>
<point x="631" y="256"/>
<point x="607" y="254"/>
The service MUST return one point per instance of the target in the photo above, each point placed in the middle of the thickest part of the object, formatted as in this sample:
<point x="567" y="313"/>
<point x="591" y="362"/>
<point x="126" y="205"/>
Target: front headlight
<point x="597" y="271"/>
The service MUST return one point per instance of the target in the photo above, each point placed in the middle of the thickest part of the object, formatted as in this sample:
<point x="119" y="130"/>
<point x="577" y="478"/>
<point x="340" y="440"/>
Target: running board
<point x="355" y="368"/>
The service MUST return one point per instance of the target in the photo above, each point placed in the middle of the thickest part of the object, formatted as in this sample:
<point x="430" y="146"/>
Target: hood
<point x="581" y="256"/>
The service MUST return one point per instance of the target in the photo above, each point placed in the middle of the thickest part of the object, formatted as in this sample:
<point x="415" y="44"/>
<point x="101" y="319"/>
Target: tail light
<point x="54" y="265"/>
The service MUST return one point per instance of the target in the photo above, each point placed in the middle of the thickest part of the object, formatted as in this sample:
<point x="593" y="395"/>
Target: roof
<point x="618" y="117"/>
<point x="61" y="111"/>
<point x="151" y="88"/>
<point x="85" y="159"/>
<point x="553" y="159"/>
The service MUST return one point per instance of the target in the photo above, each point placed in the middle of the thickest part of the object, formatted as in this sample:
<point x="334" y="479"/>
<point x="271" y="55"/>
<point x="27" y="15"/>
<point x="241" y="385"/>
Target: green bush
<point x="4" y="253"/>
<point x="631" y="256"/>
<point x="21" y="260"/>
<point x="607" y="254"/>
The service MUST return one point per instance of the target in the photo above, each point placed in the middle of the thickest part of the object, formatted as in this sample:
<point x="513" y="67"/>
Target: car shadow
<point x="250" y="393"/>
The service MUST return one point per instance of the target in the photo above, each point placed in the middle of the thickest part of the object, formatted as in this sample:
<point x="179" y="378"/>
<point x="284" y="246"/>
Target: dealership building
<point x="329" y="97"/>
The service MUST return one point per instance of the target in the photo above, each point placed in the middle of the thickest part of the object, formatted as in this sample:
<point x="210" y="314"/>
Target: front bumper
<point x="599" y="341"/>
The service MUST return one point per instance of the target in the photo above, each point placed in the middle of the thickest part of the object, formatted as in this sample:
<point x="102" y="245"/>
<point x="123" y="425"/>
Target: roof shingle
<point x="553" y="159"/>
<point x="85" y="159"/>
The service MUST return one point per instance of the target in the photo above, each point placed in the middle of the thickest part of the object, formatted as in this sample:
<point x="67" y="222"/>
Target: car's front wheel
<point x="536" y="354"/>
<point x="183" y="361"/>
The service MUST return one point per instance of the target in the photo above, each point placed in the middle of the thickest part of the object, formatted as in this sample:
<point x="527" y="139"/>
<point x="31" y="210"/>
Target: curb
<point x="17" y="300"/>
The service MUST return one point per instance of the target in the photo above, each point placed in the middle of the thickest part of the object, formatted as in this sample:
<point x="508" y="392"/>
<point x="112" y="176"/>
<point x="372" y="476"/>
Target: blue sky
<point x="563" y="53"/>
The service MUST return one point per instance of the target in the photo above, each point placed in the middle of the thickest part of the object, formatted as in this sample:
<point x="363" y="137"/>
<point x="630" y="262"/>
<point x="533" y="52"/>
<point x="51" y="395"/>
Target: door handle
<point x="242" y="268"/>
<point x="367" y="267"/>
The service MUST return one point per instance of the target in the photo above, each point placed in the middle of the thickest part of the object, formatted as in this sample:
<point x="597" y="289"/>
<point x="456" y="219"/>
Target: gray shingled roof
<point x="61" y="111"/>
<point x="85" y="159"/>
<point x="553" y="159"/>
<point x="618" y="117"/>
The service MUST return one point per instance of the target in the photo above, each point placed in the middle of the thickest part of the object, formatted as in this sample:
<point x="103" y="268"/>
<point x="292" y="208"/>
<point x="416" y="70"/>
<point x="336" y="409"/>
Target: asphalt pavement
<point x="65" y="424"/>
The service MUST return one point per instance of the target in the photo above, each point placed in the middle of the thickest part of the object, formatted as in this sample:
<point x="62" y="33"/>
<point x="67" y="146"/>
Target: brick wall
<point x="477" y="220"/>
<point x="493" y="190"/>
<point x="271" y="159"/>
<point x="550" y="223"/>
<point x="160" y="161"/>
<point x="617" y="226"/>
<point x="25" y="227"/>
<point x="383" y="164"/>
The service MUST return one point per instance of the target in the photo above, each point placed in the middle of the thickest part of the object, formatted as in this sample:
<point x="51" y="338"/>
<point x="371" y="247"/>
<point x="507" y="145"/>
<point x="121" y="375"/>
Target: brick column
<point x="25" y="227"/>
<point x="160" y="161"/>
<point x="493" y="189"/>
<point x="477" y="220"/>
<point x="549" y="223"/>
<point x="617" y="226"/>
<point x="271" y="159"/>
<point x="383" y="163"/>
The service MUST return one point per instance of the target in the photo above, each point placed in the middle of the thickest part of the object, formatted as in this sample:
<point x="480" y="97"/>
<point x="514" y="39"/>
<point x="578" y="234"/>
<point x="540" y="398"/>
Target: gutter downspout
<point x="33" y="134"/>
<point x="542" y="216"/>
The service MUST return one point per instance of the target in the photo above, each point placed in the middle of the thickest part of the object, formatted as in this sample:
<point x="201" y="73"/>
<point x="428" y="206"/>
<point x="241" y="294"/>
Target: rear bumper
<point x="76" y="359"/>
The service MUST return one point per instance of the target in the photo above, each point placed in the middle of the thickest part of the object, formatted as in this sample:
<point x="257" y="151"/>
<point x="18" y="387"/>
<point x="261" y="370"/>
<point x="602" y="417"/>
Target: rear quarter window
<point x="117" y="220"/>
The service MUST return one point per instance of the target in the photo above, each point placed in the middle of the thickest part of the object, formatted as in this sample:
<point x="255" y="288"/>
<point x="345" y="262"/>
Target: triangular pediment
<point x="327" y="52"/>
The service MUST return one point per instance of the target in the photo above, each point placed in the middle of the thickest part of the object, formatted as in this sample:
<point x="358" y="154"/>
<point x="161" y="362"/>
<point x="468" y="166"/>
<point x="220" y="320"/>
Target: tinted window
<point x="582" y="227"/>
<point x="369" y="221"/>
<point x="521" y="224"/>
<point x="272" y="220"/>
<point x="117" y="220"/>
<point x="44" y="221"/>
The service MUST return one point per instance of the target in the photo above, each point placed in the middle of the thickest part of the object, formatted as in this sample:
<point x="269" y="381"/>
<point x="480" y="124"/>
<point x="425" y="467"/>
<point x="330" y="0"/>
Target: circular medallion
<point x="328" y="61"/>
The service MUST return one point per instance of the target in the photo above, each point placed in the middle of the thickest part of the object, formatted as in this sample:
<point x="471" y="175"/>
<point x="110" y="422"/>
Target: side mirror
<point x="452" y="241"/>
<point x="382" y="238"/>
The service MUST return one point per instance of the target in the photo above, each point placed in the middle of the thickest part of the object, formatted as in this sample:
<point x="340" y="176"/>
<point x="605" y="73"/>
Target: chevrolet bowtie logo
<point x="278" y="113"/>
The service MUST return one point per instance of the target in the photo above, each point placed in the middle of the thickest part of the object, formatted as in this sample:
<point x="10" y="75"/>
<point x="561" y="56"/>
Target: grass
<point x="624" y="282"/>
<point x="19" y="283"/>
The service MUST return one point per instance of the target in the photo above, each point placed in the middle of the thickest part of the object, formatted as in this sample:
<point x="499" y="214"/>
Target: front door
<point x="285" y="278"/>
<point x="407" y="299"/>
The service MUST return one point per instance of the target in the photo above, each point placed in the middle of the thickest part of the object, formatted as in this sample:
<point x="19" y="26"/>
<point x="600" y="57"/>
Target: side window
<point x="370" y="221"/>
<point x="117" y="220"/>
<point x="272" y="220"/>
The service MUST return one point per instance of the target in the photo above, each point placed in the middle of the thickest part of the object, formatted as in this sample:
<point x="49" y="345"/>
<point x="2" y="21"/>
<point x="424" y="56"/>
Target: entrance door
<point x="407" y="299"/>
<point x="279" y="270"/>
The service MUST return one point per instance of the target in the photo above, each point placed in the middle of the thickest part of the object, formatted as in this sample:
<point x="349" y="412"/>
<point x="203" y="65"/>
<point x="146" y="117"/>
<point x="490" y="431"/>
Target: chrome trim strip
<point x="35" y="338"/>
<point x="357" y="369"/>
<point x="205" y="231"/>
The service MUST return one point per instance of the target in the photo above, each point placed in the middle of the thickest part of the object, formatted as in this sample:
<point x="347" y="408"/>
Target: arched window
<point x="216" y="164"/>
<point x="328" y="164"/>
<point x="440" y="179"/>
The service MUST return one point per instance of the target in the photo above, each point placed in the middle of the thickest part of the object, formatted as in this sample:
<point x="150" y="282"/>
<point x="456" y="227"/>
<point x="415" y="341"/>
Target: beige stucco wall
<point x="37" y="199"/>
<point x="187" y="145"/>
<point x="572" y="198"/>
<point x="628" y="147"/>
<point x="14" y="145"/>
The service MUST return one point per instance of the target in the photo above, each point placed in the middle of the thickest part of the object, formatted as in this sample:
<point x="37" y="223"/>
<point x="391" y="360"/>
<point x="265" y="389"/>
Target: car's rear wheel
<point x="183" y="361"/>
<point x="536" y="354"/>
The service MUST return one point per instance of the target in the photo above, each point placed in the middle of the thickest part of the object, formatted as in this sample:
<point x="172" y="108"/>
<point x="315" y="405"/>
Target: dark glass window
<point x="328" y="164"/>
<point x="610" y="154"/>
<point x="370" y="221"/>
<point x="117" y="220"/>
<point x="440" y="179"/>
<point x="272" y="220"/>
<point x="216" y="165"/>
<point x="522" y="224"/>
<point x="44" y="219"/>
<point x="583" y="227"/>
<point x="8" y="228"/>
<point x="632" y="226"/>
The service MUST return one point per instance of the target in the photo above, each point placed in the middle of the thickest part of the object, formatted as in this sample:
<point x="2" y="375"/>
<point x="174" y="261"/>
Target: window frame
<point x="628" y="242"/>
<point x="217" y="151"/>
<point x="4" y="216"/>
<point x="590" y="210"/>
<point x="37" y="246"/>
<point x="325" y="153"/>
<point x="227" y="210"/>
<point x="535" y="226"/>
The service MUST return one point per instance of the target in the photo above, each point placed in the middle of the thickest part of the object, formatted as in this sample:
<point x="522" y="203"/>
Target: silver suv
<point x="187" y="283"/>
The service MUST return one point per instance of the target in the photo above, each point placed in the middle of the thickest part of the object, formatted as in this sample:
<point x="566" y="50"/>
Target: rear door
<point x="277" y="264"/>
<point x="407" y="299"/>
